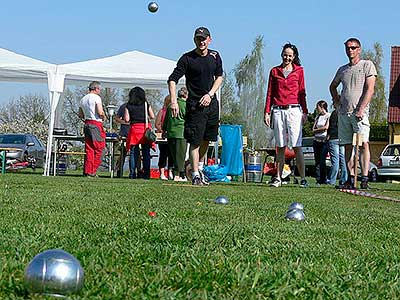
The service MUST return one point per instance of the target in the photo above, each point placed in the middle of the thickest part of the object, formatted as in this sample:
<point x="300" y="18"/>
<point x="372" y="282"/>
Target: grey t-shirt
<point x="353" y="80"/>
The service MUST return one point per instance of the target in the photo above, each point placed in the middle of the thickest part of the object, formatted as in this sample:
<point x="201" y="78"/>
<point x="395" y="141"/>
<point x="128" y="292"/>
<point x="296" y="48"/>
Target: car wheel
<point x="373" y="175"/>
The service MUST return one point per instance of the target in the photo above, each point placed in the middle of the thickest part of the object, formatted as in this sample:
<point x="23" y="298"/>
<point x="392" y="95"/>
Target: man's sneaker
<point x="304" y="183"/>
<point x="163" y="177"/>
<point x="364" y="185"/>
<point x="197" y="180"/>
<point x="203" y="178"/>
<point x="275" y="182"/>
<point x="346" y="186"/>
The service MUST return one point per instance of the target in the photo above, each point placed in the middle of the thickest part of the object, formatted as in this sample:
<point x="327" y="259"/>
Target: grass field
<point x="348" y="247"/>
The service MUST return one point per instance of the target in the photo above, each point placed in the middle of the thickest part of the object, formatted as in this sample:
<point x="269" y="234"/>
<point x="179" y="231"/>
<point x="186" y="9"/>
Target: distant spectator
<point x="163" y="148"/>
<point x="336" y="152"/>
<point x="175" y="134"/>
<point x="135" y="114"/>
<point x="320" y="144"/>
<point x="91" y="111"/>
<point x="123" y="133"/>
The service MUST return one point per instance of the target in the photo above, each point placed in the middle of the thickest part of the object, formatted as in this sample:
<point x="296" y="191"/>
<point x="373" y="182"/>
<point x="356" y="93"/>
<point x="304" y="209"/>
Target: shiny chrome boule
<point x="295" y="214"/>
<point x="296" y="205"/>
<point x="221" y="200"/>
<point x="152" y="7"/>
<point x="54" y="272"/>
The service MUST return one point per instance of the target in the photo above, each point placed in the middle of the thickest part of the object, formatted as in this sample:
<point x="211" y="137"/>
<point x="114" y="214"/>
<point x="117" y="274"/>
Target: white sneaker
<point x="180" y="179"/>
<point x="170" y="175"/>
<point x="163" y="177"/>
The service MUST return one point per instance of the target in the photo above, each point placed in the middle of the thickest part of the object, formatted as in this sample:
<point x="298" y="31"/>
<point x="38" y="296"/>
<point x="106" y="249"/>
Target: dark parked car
<point x="30" y="147"/>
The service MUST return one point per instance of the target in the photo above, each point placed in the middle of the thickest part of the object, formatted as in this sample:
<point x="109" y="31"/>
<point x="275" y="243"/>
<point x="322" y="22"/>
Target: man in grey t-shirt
<point x="358" y="82"/>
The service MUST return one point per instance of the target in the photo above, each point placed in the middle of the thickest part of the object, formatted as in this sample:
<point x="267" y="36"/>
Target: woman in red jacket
<point x="286" y="109"/>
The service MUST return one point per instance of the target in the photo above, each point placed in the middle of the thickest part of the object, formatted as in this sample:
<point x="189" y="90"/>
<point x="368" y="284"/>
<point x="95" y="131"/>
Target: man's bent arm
<point x="366" y="99"/>
<point x="216" y="85"/>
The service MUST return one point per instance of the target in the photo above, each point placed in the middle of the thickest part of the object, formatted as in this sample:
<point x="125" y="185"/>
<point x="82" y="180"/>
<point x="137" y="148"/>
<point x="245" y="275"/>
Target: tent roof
<point x="123" y="70"/>
<point x="19" y="68"/>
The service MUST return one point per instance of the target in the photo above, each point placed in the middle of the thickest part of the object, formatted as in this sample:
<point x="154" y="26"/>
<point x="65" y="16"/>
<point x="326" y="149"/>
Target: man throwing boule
<point x="202" y="68"/>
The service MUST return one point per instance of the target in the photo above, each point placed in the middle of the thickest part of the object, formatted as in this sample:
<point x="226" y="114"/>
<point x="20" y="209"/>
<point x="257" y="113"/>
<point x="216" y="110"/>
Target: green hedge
<point x="379" y="133"/>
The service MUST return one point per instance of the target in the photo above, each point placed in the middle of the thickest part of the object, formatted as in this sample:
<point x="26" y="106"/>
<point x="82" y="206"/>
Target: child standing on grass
<point x="320" y="145"/>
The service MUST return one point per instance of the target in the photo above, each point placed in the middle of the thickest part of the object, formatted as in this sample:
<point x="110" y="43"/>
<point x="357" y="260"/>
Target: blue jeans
<point x="336" y="153"/>
<point x="134" y="159"/>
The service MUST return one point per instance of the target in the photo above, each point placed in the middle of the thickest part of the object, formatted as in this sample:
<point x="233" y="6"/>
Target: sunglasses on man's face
<point x="352" y="48"/>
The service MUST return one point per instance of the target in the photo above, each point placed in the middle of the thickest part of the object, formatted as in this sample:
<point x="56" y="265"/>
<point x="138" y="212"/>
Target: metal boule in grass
<point x="54" y="272"/>
<point x="152" y="7"/>
<point x="295" y="214"/>
<point x="296" y="205"/>
<point x="221" y="200"/>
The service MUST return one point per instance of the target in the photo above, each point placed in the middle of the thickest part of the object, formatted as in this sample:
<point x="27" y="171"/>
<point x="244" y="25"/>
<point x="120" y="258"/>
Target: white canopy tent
<point x="124" y="70"/>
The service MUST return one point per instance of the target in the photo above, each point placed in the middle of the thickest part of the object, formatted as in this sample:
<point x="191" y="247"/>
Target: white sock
<point x="195" y="173"/>
<point x="201" y="165"/>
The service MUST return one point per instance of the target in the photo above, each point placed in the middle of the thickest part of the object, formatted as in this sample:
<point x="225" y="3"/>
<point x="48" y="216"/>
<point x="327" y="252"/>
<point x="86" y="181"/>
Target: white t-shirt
<point x="88" y="105"/>
<point x="321" y="122"/>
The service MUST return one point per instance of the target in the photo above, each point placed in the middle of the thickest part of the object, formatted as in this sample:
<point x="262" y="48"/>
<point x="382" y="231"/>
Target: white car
<point x="389" y="161"/>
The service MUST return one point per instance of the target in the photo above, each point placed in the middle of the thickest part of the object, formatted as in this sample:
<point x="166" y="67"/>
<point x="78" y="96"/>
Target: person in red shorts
<point x="136" y="114"/>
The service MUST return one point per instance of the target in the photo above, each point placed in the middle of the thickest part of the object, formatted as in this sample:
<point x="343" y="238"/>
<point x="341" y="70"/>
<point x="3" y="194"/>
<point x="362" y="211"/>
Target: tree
<point x="378" y="105"/>
<point x="70" y="118"/>
<point x="230" y="106"/>
<point x="251" y="84"/>
<point x="155" y="99"/>
<point x="28" y="114"/>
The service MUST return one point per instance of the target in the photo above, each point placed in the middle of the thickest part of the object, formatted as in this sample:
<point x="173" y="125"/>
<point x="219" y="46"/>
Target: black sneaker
<point x="364" y="185"/>
<point x="347" y="186"/>
<point x="203" y="178"/>
<point x="304" y="183"/>
<point x="197" y="180"/>
<point x="275" y="182"/>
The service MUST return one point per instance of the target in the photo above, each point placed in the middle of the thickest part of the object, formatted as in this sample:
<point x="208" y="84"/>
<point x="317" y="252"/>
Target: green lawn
<point x="348" y="247"/>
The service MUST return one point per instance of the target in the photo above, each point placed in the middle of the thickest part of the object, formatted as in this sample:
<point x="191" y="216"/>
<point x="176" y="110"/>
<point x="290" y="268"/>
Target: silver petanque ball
<point x="295" y="214"/>
<point x="296" y="205"/>
<point x="221" y="200"/>
<point x="152" y="7"/>
<point x="54" y="272"/>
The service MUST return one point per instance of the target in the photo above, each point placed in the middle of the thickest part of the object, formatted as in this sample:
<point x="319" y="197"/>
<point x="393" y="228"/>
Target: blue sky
<point x="69" y="31"/>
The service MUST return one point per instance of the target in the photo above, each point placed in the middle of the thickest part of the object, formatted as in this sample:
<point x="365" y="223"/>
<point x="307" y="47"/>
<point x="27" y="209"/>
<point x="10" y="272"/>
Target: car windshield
<point x="392" y="151"/>
<point x="12" y="139"/>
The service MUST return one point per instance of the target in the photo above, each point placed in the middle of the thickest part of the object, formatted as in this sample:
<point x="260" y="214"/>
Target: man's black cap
<point x="202" y="31"/>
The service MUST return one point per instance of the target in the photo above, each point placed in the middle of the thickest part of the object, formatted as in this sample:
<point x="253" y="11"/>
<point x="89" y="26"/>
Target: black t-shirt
<point x="333" y="126"/>
<point x="200" y="72"/>
<point x="136" y="113"/>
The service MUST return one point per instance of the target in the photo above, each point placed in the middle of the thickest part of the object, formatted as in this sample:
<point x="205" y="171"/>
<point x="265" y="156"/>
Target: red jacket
<point x="284" y="91"/>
